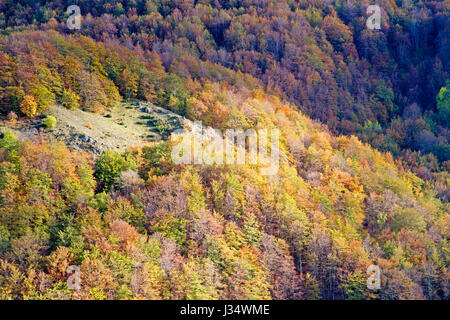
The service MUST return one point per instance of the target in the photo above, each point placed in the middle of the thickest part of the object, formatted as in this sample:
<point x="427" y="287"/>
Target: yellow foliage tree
<point x="29" y="106"/>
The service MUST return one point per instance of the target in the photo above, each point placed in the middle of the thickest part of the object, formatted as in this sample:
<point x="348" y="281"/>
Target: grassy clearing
<point x="130" y="123"/>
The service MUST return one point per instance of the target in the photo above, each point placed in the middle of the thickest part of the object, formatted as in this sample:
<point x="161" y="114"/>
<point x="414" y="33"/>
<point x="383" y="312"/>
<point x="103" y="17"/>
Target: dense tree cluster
<point x="140" y="227"/>
<point x="378" y="84"/>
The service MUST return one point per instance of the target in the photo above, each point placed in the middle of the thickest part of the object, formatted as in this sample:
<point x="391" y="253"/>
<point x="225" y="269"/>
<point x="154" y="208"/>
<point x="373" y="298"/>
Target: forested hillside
<point x="364" y="144"/>
<point x="382" y="85"/>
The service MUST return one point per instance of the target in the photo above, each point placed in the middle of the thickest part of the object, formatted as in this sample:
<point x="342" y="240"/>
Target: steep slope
<point x="160" y="230"/>
<point x="378" y="84"/>
<point x="140" y="226"/>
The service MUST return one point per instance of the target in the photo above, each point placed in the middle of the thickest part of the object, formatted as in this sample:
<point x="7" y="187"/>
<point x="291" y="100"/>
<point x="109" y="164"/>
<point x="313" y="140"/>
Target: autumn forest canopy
<point x="364" y="150"/>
